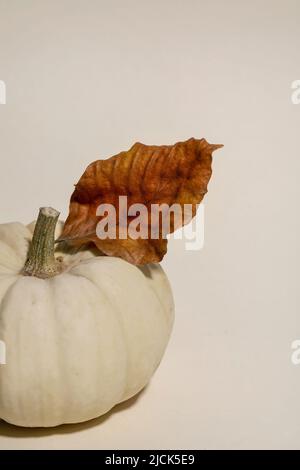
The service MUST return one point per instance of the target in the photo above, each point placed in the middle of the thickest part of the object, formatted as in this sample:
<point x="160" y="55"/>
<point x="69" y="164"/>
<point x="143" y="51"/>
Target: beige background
<point x="86" y="79"/>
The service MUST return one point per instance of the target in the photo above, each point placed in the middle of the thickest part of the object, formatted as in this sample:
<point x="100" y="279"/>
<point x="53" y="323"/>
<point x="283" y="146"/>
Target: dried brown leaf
<point x="146" y="174"/>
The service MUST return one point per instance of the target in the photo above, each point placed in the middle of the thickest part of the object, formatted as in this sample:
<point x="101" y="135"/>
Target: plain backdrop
<point x="85" y="80"/>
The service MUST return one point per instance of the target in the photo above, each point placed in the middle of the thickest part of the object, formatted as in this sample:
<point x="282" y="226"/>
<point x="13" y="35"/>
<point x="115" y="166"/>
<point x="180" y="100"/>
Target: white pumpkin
<point x="81" y="341"/>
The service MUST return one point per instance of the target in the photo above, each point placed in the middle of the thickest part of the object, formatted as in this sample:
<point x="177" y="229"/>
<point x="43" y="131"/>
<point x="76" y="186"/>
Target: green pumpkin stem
<point x="41" y="261"/>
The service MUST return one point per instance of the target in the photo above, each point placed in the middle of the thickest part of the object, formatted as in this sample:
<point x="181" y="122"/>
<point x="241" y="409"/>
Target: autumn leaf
<point x="157" y="177"/>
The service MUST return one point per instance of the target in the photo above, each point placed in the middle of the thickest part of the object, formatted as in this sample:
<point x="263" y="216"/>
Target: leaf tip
<point x="213" y="147"/>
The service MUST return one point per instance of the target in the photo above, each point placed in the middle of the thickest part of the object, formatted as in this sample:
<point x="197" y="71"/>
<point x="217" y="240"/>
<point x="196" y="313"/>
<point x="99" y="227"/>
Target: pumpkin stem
<point x="41" y="261"/>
